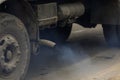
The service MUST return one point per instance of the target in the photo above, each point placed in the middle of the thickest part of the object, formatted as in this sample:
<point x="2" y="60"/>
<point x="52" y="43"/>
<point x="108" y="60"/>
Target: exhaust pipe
<point x="47" y="43"/>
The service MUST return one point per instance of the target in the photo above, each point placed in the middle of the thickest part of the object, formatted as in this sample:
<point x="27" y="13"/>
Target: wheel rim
<point x="9" y="55"/>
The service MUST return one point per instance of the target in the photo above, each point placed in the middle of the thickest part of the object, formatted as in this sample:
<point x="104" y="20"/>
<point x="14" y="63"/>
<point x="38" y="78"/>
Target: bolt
<point x="19" y="53"/>
<point x="17" y="61"/>
<point x="5" y="65"/>
<point x="14" y="66"/>
<point x="2" y="57"/>
<point x="9" y="55"/>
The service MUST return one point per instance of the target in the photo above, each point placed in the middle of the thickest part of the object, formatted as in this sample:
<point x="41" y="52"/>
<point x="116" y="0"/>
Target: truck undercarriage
<point x="26" y="24"/>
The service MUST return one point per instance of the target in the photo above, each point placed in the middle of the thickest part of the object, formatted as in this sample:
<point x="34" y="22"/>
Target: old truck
<point x="27" y="24"/>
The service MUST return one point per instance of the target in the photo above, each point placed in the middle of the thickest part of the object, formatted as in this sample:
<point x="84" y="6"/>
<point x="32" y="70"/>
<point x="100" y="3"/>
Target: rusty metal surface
<point x="51" y="13"/>
<point x="71" y="10"/>
<point x="47" y="14"/>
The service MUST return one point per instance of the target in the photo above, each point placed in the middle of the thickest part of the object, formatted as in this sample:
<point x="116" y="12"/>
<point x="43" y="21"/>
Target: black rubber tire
<point x="118" y="32"/>
<point x="9" y="24"/>
<point x="111" y="34"/>
<point x="58" y="34"/>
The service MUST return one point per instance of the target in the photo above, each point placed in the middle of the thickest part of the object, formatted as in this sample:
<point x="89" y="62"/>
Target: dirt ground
<point x="85" y="57"/>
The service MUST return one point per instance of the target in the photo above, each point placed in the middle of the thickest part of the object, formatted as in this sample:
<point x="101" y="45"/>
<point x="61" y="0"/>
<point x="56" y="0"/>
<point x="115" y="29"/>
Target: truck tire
<point x="58" y="34"/>
<point x="111" y="34"/>
<point x="14" y="48"/>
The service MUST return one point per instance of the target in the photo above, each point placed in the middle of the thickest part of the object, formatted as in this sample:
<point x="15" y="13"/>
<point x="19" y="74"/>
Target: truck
<point x="27" y="24"/>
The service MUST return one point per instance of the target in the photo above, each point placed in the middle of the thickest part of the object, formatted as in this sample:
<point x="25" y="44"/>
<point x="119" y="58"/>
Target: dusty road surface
<point x="85" y="57"/>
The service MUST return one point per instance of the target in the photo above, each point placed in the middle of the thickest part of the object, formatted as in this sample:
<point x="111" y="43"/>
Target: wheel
<point x="14" y="48"/>
<point x="58" y="34"/>
<point x="112" y="35"/>
<point x="118" y="31"/>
